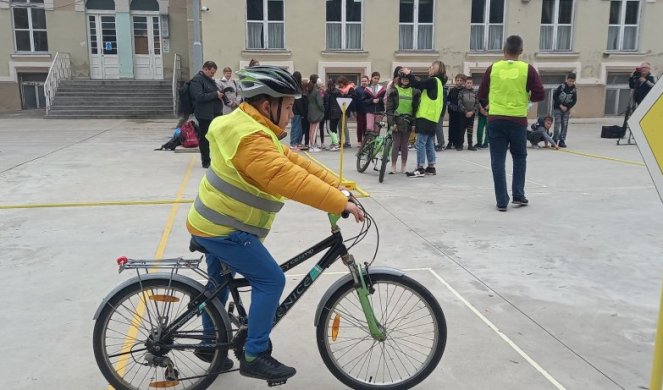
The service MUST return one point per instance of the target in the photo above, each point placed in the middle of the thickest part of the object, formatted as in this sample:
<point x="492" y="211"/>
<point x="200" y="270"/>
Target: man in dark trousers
<point x="207" y="105"/>
<point x="508" y="86"/>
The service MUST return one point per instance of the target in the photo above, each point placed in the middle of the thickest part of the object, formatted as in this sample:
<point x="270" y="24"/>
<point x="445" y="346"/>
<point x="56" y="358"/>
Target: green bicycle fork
<point x="377" y="331"/>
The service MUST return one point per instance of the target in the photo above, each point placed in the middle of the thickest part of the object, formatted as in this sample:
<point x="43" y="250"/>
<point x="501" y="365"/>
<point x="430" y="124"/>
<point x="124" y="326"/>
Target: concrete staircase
<point x="109" y="99"/>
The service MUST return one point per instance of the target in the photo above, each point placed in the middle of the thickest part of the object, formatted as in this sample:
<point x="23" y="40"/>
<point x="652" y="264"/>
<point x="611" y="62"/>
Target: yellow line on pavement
<point x="94" y="204"/>
<point x="363" y="193"/>
<point x="135" y="322"/>
<point x="619" y="160"/>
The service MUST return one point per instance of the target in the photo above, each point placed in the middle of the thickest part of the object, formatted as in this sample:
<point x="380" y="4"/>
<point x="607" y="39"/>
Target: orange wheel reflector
<point x="335" y="326"/>
<point x="164" y="298"/>
<point x="164" y="384"/>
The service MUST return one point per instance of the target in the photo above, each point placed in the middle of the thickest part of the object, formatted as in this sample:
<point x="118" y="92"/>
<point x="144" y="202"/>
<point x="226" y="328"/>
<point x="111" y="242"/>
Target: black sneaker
<point x="419" y="172"/>
<point x="501" y="208"/>
<point x="449" y="146"/>
<point x="207" y="354"/>
<point x="521" y="201"/>
<point x="459" y="148"/>
<point x="265" y="367"/>
<point x="439" y="148"/>
<point x="472" y="147"/>
<point x="430" y="171"/>
<point x="562" y="144"/>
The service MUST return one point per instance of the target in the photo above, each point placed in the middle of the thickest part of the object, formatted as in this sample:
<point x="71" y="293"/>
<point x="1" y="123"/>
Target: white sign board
<point x="344" y="103"/>
<point x="646" y="124"/>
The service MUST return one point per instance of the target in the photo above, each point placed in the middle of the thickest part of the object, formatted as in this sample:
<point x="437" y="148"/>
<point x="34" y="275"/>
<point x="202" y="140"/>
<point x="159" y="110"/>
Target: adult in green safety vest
<point x="250" y="175"/>
<point x="508" y="87"/>
<point x="427" y="115"/>
<point x="402" y="104"/>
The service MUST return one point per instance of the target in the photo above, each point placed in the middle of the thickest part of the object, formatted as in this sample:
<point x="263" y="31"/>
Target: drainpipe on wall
<point x="197" y="44"/>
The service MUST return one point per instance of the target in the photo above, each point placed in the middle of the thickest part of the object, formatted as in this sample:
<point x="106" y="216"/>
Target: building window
<point x="416" y="25"/>
<point x="550" y="82"/>
<point x="265" y="24"/>
<point x="556" y="25"/>
<point x="29" y="25"/>
<point x="487" y="25"/>
<point x="623" y="25"/>
<point x="32" y="90"/>
<point x="344" y="24"/>
<point x="617" y="94"/>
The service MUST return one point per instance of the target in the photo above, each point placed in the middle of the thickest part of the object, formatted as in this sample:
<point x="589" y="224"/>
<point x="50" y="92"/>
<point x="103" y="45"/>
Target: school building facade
<point x="602" y="41"/>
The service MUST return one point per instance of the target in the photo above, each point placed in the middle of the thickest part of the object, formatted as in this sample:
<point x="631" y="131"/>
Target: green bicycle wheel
<point x="386" y="154"/>
<point x="365" y="154"/>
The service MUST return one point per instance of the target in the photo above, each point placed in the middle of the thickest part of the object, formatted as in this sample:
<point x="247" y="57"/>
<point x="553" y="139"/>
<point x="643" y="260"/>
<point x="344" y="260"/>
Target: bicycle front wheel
<point x="130" y="352"/>
<point x="415" y="330"/>
<point x="386" y="155"/>
<point x="365" y="154"/>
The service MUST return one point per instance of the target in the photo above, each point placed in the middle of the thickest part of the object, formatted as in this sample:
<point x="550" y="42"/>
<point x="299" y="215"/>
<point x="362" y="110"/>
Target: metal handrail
<point x="60" y="70"/>
<point x="177" y="70"/>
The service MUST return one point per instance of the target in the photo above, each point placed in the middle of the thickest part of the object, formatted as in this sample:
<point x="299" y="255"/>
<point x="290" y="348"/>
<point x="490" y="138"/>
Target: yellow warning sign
<point x="646" y="123"/>
<point x="652" y="128"/>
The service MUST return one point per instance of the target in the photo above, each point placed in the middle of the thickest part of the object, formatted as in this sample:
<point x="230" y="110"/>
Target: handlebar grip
<point x="345" y="215"/>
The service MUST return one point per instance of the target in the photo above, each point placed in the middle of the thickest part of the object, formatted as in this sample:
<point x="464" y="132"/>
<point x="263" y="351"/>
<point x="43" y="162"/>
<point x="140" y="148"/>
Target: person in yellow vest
<point x="427" y="116"/>
<point x="508" y="87"/>
<point x="402" y="103"/>
<point x="250" y="176"/>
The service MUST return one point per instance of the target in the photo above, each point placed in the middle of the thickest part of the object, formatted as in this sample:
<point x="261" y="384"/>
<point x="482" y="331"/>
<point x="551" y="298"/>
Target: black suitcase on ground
<point x="613" y="132"/>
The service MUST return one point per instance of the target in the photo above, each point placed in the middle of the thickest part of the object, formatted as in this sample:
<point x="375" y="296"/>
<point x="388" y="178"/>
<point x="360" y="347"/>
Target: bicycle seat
<point x="194" y="247"/>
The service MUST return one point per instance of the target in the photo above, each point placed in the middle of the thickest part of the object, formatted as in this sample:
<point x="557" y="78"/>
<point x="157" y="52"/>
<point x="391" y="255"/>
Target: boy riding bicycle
<point x="249" y="178"/>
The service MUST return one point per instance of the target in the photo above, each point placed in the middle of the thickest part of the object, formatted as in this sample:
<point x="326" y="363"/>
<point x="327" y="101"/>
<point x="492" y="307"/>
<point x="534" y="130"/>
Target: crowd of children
<point x="399" y="99"/>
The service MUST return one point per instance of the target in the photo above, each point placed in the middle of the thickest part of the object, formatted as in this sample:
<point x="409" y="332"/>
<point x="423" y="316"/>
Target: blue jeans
<point x="296" y="130"/>
<point x="505" y="135"/>
<point x="245" y="254"/>
<point x="425" y="149"/>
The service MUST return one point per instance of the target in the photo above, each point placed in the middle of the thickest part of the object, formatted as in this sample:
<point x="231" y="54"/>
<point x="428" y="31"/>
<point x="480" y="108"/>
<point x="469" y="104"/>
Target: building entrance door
<point x="148" y="62"/>
<point x="102" y="37"/>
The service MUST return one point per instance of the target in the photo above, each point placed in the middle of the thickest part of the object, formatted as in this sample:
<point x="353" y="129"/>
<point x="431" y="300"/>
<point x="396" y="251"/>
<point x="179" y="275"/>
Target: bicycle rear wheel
<point x="365" y="154"/>
<point x="415" y="328"/>
<point x="129" y="351"/>
<point x="386" y="154"/>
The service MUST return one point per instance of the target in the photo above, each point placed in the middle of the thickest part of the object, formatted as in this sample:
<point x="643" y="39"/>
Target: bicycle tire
<point x="386" y="154"/>
<point x="365" y="378"/>
<point x="127" y="304"/>
<point x="365" y="154"/>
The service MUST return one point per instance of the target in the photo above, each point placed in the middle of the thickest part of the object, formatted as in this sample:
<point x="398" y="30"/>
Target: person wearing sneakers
<point x="508" y="86"/>
<point x="427" y="115"/>
<point x="250" y="176"/>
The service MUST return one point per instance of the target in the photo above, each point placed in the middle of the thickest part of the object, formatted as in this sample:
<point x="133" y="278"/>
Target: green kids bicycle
<point x="376" y="328"/>
<point x="376" y="148"/>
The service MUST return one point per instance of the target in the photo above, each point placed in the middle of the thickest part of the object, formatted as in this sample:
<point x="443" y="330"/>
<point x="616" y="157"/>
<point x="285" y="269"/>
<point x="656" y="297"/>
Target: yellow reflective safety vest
<point x="508" y="94"/>
<point x="431" y="109"/>
<point x="226" y="202"/>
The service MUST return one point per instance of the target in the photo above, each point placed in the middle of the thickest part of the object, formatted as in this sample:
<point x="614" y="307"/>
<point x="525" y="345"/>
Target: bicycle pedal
<point x="276" y="382"/>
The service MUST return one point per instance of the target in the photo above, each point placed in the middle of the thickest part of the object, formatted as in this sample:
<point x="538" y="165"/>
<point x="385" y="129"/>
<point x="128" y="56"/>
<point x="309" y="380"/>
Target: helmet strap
<point x="278" y="112"/>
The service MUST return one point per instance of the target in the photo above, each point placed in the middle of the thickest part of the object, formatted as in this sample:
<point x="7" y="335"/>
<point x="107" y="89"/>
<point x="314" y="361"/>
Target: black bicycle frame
<point x="336" y="249"/>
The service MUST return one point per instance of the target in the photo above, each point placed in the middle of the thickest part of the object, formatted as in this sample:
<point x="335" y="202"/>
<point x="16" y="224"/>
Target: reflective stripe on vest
<point x="242" y="196"/>
<point x="224" y="220"/>
<point x="431" y="109"/>
<point x="508" y="94"/>
<point x="226" y="201"/>
<point x="404" y="100"/>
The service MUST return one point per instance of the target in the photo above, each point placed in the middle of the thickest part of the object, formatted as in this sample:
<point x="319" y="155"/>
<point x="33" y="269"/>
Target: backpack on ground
<point x="188" y="137"/>
<point x="185" y="106"/>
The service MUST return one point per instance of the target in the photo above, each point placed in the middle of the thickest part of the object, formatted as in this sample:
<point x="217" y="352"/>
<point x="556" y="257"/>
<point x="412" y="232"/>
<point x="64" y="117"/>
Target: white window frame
<point x="487" y="24"/>
<point x="620" y="88"/>
<point x="622" y="25"/>
<point x="344" y="23"/>
<point x="555" y="24"/>
<point x="28" y="4"/>
<point x="415" y="29"/>
<point x="265" y="26"/>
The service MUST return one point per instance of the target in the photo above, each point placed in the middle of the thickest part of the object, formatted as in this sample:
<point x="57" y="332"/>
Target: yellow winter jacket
<point x="281" y="173"/>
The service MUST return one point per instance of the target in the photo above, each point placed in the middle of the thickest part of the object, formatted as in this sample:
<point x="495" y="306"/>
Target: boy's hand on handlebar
<point x="354" y="210"/>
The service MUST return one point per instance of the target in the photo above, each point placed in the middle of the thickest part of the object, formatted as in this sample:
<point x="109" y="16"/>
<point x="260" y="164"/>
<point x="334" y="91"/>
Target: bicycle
<point x="378" y="147"/>
<point x="376" y="328"/>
